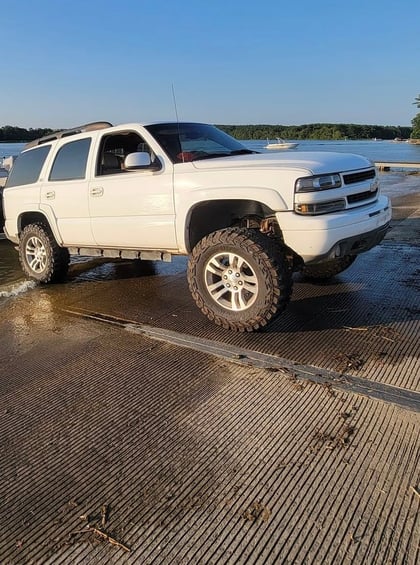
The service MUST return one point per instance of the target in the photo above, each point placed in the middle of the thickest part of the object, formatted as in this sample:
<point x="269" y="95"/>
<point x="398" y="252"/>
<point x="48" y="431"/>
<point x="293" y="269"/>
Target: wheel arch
<point x="36" y="217"/>
<point x="208" y="216"/>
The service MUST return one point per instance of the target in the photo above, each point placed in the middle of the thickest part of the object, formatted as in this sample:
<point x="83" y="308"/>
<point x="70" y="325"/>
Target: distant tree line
<point x="13" y="133"/>
<point x="262" y="131"/>
<point x="317" y="131"/>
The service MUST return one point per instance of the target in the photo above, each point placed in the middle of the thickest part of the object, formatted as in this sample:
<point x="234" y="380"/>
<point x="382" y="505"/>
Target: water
<point x="394" y="182"/>
<point x="12" y="281"/>
<point x="7" y="149"/>
<point x="380" y="150"/>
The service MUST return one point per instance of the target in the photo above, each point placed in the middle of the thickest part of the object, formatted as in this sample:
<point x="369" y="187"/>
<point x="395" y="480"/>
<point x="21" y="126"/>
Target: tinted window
<point x="27" y="166"/>
<point x="71" y="159"/>
<point x="195" y="141"/>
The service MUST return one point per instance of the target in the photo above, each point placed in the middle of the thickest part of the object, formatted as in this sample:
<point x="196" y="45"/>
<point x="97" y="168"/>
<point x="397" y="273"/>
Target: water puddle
<point x="12" y="280"/>
<point x="16" y="289"/>
<point x="82" y="270"/>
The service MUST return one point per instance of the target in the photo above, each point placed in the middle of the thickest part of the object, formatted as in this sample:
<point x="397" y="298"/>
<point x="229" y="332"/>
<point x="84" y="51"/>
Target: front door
<point x="130" y="209"/>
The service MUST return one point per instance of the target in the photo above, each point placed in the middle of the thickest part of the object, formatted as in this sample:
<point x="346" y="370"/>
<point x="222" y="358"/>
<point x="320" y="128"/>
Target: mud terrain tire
<point x="41" y="258"/>
<point x="239" y="278"/>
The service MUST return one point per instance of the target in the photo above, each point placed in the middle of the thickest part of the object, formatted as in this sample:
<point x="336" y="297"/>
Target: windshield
<point x="191" y="142"/>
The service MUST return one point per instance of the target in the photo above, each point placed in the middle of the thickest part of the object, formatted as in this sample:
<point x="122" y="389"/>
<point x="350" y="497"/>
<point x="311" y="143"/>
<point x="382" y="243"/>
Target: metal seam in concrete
<point x="387" y="393"/>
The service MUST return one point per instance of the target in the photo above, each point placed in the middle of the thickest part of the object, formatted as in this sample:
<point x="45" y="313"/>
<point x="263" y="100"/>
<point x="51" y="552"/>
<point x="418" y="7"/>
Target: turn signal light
<point x="320" y="207"/>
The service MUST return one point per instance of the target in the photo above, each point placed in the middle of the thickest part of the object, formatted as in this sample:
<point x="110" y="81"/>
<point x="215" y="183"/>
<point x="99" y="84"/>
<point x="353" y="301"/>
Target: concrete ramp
<point x="134" y="431"/>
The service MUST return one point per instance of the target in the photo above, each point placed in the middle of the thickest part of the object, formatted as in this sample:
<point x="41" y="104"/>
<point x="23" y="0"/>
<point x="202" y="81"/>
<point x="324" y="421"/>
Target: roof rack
<point x="67" y="132"/>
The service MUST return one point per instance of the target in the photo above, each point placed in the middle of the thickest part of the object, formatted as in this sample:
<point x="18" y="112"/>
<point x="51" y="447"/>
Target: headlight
<point x="312" y="184"/>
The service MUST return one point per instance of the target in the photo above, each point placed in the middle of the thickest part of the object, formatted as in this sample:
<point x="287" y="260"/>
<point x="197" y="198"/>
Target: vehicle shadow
<point x="381" y="287"/>
<point x="86" y="268"/>
<point x="364" y="319"/>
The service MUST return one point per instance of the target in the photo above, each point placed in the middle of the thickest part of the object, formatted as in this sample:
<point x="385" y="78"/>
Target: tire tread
<point x="59" y="258"/>
<point x="272" y="261"/>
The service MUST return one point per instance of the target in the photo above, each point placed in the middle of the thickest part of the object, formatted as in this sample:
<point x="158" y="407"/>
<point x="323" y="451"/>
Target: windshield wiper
<point x="210" y="156"/>
<point x="242" y="152"/>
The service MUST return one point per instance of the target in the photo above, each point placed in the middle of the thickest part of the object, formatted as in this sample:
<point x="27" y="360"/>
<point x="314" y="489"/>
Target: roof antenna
<point x="177" y="121"/>
<point x="176" y="109"/>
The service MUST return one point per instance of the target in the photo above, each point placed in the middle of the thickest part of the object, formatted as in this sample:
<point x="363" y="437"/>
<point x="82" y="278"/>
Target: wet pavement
<point x="133" y="430"/>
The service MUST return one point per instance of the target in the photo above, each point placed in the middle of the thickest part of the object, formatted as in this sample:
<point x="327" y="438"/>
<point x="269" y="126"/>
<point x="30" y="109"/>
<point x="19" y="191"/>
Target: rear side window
<point x="27" y="167"/>
<point x="70" y="161"/>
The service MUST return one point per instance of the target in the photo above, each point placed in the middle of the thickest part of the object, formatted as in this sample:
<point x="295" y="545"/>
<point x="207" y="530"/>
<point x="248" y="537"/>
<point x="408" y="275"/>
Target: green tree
<point x="415" y="134"/>
<point x="317" y="131"/>
<point x="415" y="122"/>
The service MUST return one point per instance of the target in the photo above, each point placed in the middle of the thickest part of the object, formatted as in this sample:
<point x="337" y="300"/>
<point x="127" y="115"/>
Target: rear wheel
<point x="239" y="278"/>
<point x="41" y="258"/>
<point x="327" y="270"/>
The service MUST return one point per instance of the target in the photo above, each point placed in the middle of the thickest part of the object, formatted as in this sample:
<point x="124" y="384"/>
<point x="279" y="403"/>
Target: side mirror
<point x="140" y="160"/>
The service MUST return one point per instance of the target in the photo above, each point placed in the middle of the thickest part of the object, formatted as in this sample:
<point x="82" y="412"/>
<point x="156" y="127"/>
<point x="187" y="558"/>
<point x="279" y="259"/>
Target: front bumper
<point x="319" y="238"/>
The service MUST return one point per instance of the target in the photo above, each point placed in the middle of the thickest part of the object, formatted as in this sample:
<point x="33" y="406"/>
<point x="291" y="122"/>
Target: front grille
<point x="360" y="176"/>
<point x="353" y="198"/>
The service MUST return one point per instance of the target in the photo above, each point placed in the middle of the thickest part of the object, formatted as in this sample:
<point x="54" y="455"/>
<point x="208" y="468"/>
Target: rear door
<point x="64" y="194"/>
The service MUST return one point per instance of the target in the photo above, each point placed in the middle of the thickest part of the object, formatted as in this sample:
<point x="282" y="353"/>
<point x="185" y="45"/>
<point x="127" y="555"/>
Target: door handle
<point x="97" y="191"/>
<point x="50" y="194"/>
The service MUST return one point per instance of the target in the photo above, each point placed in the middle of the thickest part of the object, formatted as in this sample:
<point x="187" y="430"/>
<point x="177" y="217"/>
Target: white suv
<point x="149" y="191"/>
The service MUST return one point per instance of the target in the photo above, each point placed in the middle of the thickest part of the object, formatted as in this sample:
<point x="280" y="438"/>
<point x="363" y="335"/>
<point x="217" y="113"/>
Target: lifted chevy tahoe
<point x="247" y="220"/>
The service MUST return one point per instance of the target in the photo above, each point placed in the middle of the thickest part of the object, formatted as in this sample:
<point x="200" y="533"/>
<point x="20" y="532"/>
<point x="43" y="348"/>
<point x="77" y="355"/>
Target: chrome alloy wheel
<point x="36" y="254"/>
<point x="231" y="281"/>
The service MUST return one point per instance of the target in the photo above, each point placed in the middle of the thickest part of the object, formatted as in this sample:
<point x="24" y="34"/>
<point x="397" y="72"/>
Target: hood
<point x="313" y="162"/>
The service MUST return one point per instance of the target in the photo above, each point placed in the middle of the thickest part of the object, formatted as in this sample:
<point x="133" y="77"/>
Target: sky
<point x="69" y="62"/>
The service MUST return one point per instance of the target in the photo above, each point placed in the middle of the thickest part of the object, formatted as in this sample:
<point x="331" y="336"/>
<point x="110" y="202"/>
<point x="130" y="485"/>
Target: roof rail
<point x="66" y="132"/>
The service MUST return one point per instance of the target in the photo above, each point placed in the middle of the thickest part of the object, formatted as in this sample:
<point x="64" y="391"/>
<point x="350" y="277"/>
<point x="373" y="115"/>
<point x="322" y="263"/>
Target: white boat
<point x="281" y="144"/>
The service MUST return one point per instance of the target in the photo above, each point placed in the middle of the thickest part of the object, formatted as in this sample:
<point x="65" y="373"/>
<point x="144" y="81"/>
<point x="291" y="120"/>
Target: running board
<point x="121" y="254"/>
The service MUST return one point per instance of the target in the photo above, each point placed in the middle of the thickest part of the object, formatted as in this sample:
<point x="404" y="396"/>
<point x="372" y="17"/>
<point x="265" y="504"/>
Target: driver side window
<point x="114" y="149"/>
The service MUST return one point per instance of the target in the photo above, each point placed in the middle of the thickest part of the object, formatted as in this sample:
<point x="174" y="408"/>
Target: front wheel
<point x="239" y="278"/>
<point x="41" y="258"/>
<point x="327" y="270"/>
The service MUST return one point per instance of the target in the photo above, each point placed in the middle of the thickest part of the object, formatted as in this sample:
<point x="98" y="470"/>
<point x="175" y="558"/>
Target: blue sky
<point x="231" y="62"/>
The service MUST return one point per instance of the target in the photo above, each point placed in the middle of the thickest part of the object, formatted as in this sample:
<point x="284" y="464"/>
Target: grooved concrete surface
<point x="197" y="460"/>
<point x="364" y="322"/>
<point x="118" y="448"/>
